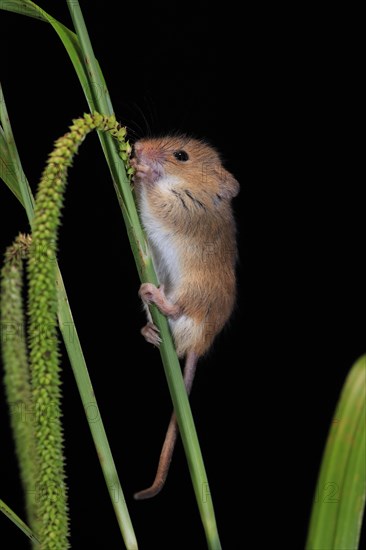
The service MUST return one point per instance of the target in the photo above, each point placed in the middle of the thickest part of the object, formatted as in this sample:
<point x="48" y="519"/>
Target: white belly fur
<point x="185" y="333"/>
<point x="163" y="248"/>
<point x="167" y="266"/>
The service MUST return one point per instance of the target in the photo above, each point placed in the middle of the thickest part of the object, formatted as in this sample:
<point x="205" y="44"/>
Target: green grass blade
<point x="101" y="99"/>
<point x="23" y="7"/>
<point x="352" y="502"/>
<point x="11" y="168"/>
<point x="336" y="517"/>
<point x="88" y="397"/>
<point x="94" y="85"/>
<point x="68" y="38"/>
<point x="6" y="170"/>
<point x="17" y="521"/>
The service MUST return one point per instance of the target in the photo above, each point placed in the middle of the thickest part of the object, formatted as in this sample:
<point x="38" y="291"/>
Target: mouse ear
<point x="229" y="186"/>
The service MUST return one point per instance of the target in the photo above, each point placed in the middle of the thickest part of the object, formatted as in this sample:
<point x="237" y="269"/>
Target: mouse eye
<point x="181" y="155"/>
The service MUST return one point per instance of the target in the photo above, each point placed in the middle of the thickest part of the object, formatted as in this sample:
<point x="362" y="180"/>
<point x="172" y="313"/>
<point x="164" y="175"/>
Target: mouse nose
<point x="137" y="147"/>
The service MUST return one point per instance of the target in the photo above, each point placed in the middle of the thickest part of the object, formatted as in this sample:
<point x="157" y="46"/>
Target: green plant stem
<point x="18" y="522"/>
<point x="72" y="343"/>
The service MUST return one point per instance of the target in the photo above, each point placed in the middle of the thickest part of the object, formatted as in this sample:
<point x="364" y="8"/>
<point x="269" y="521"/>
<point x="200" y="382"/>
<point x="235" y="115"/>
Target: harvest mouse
<point x="184" y="198"/>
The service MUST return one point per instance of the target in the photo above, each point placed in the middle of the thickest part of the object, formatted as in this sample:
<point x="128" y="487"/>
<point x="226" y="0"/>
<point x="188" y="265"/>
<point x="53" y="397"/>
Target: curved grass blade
<point x="11" y="168"/>
<point x="352" y="504"/>
<point x="68" y="38"/>
<point x="336" y="517"/>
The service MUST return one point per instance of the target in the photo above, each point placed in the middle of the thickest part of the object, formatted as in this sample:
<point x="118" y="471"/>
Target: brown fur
<point x="197" y="211"/>
<point x="185" y="206"/>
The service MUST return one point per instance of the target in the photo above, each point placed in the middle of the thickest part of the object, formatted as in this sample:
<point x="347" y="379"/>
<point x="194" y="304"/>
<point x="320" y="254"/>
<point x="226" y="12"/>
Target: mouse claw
<point x="151" y="334"/>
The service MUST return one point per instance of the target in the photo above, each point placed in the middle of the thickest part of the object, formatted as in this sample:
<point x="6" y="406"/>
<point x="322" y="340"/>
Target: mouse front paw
<point x="148" y="293"/>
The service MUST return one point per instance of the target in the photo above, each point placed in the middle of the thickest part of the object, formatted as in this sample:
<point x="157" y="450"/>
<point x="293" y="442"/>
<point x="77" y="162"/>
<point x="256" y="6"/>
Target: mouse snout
<point x="136" y="149"/>
<point x="145" y="160"/>
<point x="148" y="152"/>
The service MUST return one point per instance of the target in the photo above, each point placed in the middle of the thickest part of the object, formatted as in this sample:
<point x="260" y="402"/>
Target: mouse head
<point x="188" y="161"/>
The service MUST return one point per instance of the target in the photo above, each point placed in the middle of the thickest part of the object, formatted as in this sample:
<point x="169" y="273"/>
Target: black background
<point x="277" y="94"/>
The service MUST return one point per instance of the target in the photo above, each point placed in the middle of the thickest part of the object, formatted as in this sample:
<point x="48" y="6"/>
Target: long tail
<point x="170" y="437"/>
